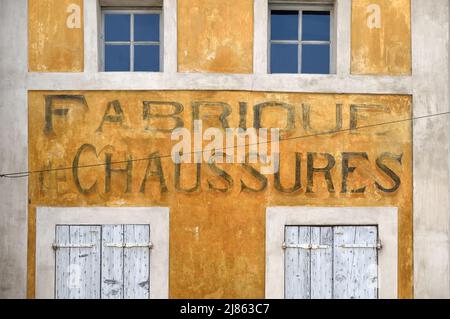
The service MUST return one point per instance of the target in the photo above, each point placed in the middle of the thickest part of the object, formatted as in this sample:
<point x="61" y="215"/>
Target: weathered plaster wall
<point x="215" y="36"/>
<point x="430" y="31"/>
<point x="13" y="146"/>
<point x="53" y="46"/>
<point x="217" y="238"/>
<point x="429" y="84"/>
<point x="385" y="49"/>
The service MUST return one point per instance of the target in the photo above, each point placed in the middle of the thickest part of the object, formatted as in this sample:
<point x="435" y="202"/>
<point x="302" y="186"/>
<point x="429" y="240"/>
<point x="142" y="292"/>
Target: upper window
<point x="132" y="40"/>
<point x="301" y="39"/>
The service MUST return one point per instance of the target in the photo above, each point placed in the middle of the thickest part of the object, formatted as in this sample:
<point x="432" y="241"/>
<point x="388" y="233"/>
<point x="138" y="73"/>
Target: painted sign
<point x="113" y="148"/>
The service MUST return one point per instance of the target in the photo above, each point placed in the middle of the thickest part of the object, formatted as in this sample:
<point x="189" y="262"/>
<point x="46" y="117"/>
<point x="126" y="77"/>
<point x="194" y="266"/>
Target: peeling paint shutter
<point x="355" y="269"/>
<point x="331" y="262"/>
<point x="112" y="262"/>
<point x="116" y="266"/>
<point x="136" y="263"/>
<point x="78" y="262"/>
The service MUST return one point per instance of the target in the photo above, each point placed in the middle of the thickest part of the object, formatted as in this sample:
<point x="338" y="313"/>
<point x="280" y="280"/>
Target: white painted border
<point x="170" y="30"/>
<point x="48" y="217"/>
<point x="301" y="83"/>
<point x="384" y="217"/>
<point x="260" y="36"/>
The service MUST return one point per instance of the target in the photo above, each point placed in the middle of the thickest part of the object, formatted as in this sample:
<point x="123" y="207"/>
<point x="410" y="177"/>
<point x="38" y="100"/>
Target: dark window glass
<point x="146" y="27"/>
<point x="284" y="58"/>
<point x="284" y="25"/>
<point x="146" y="58"/>
<point x="117" y="27"/>
<point x="117" y="58"/>
<point x="316" y="26"/>
<point x="316" y="59"/>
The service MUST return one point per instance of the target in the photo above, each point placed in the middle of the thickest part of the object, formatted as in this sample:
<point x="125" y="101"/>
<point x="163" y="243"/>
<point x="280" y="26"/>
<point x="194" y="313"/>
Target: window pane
<point x="117" y="58"/>
<point x="146" y="58"/>
<point x="284" y="25"/>
<point x="316" y="26"/>
<point x="117" y="27"/>
<point x="316" y="59"/>
<point x="146" y="27"/>
<point x="284" y="58"/>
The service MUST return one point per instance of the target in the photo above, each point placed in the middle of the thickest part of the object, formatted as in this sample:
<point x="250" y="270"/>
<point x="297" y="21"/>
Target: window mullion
<point x="300" y="30"/>
<point x="132" y="42"/>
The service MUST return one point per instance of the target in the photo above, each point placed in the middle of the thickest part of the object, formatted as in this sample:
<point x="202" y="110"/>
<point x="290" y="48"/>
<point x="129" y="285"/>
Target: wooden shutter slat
<point x="297" y="261"/>
<point x="78" y="268"/>
<point x="112" y="263"/>
<point x="355" y="270"/>
<point x="322" y="263"/>
<point x="62" y="260"/>
<point x="136" y="263"/>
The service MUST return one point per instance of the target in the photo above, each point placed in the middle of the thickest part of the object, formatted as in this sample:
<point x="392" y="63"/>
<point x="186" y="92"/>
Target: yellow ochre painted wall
<point x="217" y="233"/>
<point x="52" y="45"/>
<point x="384" y="48"/>
<point x="215" y="36"/>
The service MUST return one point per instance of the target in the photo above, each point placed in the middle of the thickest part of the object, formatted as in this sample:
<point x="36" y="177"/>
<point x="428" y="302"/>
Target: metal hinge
<point x="305" y="246"/>
<point x="351" y="246"/>
<point x="56" y="246"/>
<point x="378" y="246"/>
<point x="148" y="245"/>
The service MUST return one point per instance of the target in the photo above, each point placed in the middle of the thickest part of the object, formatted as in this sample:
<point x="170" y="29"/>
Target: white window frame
<point x="132" y="43"/>
<point x="47" y="218"/>
<point x="385" y="218"/>
<point x="93" y="44"/>
<point x="341" y="49"/>
<point x="300" y="7"/>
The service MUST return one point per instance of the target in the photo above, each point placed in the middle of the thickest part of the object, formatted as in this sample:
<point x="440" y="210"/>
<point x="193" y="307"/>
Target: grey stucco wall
<point x="430" y="37"/>
<point x="13" y="147"/>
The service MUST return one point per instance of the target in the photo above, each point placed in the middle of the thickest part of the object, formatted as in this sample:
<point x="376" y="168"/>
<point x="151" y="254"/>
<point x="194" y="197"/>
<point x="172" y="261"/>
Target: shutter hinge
<point x="378" y="246"/>
<point x="304" y="246"/>
<point x="148" y="245"/>
<point x="56" y="246"/>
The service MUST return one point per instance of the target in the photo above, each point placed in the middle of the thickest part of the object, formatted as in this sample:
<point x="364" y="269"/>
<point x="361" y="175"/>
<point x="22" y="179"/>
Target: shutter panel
<point x="355" y="270"/>
<point x="298" y="274"/>
<point x="136" y="262"/>
<point x="322" y="263"/>
<point x="81" y="278"/>
<point x="116" y="267"/>
<point x="112" y="262"/>
<point x="62" y="256"/>
<point x="331" y="262"/>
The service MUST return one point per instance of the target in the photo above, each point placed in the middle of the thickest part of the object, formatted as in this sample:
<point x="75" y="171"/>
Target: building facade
<point x="92" y="91"/>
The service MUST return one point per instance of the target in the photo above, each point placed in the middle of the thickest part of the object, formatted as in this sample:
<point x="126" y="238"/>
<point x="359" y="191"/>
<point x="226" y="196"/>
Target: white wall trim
<point x="343" y="17"/>
<point x="384" y="217"/>
<point x="170" y="31"/>
<point x="302" y="83"/>
<point x="260" y="36"/>
<point x="48" y="217"/>
<point x="92" y="49"/>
